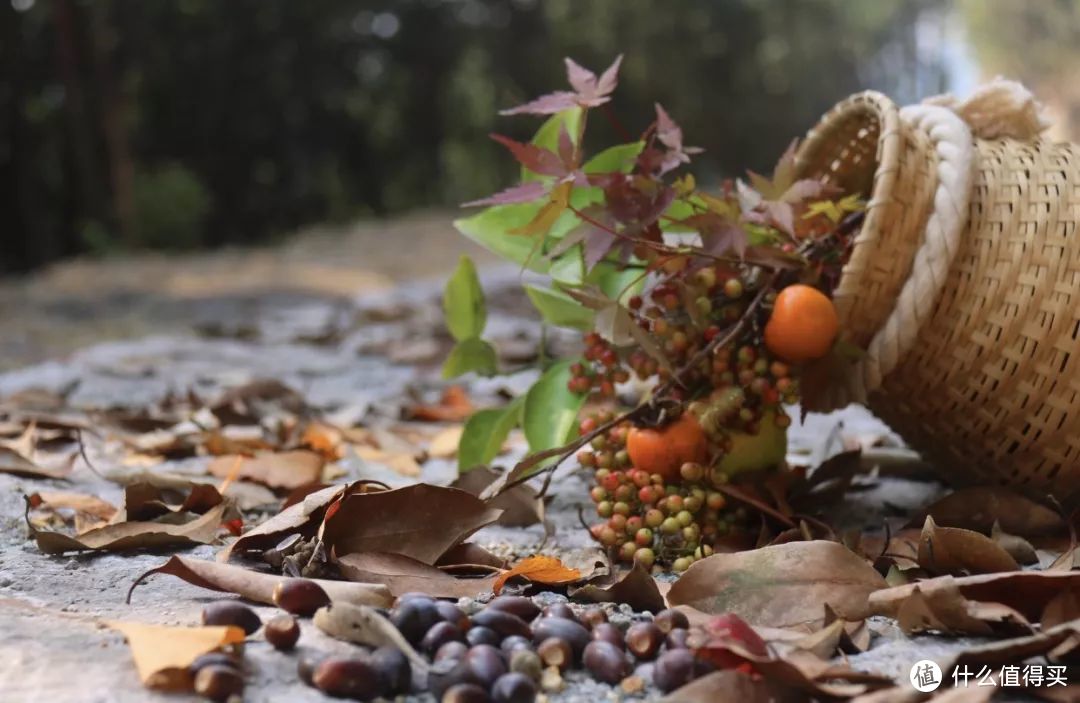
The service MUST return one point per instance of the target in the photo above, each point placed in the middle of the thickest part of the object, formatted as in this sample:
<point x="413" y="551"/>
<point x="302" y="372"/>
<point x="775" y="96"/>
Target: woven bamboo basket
<point x="964" y="282"/>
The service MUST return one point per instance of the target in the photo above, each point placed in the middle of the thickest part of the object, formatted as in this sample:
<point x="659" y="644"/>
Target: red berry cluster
<point x="644" y="519"/>
<point x="730" y="389"/>
<point x="600" y="370"/>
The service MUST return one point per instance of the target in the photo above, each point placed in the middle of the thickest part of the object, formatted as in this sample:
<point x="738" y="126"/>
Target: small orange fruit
<point x="663" y="450"/>
<point x="803" y="324"/>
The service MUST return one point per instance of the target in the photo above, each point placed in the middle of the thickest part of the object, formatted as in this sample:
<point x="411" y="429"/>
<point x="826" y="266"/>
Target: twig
<point x="758" y="505"/>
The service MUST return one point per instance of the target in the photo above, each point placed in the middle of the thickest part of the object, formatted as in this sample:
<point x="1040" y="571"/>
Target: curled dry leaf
<point x="453" y="406"/>
<point x="278" y="470"/>
<point x="979" y="508"/>
<point x="364" y="625"/>
<point x="521" y="505"/>
<point x="259" y="587"/>
<point x="144" y="501"/>
<point x="1017" y="547"/>
<point x="545" y="570"/>
<point x="301" y="517"/>
<point x="1026" y="592"/>
<point x="1063" y="607"/>
<point x="14" y="463"/>
<point x="943" y="609"/>
<point x="953" y="550"/>
<point x="402" y="575"/>
<point x="163" y="653"/>
<point x="80" y="502"/>
<point x="780" y="586"/>
<point x="635" y="587"/>
<point x="135" y="535"/>
<point x="419" y="521"/>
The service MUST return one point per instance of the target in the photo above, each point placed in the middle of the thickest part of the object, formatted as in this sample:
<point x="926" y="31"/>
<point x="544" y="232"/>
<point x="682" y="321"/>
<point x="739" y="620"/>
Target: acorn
<point x="439" y="634"/>
<point x="482" y="635"/>
<point x="219" y="683"/>
<point x="502" y="622"/>
<point x="556" y="652"/>
<point x="213" y="659"/>
<point x="486" y="663"/>
<point x="282" y="632"/>
<point x="454" y="650"/>
<point x="676" y="639"/>
<point x="300" y="597"/>
<point x="673" y="669"/>
<point x="413" y="617"/>
<point x="513" y="688"/>
<point x="520" y="606"/>
<point x="228" y="612"/>
<point x="569" y="630"/>
<point x="394" y="671"/>
<point x="514" y="643"/>
<point x="609" y="633"/>
<point x="559" y="610"/>
<point x="528" y="662"/>
<point x="605" y="662"/>
<point x="465" y="693"/>
<point x="670" y="619"/>
<point x="347" y="678"/>
<point x="593" y="617"/>
<point x="644" y="640"/>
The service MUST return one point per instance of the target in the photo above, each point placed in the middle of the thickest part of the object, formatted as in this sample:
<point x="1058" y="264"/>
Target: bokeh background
<point x="131" y="125"/>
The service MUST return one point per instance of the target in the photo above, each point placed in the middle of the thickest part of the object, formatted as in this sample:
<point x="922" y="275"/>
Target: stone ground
<point x="351" y="321"/>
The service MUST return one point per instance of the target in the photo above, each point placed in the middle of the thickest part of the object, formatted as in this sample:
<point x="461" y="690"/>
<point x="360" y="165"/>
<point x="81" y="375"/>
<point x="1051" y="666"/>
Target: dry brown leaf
<point x="404" y="575"/>
<point x="467" y="554"/>
<point x="781" y="586"/>
<point x="980" y="507"/>
<point x="453" y="406"/>
<point x="1026" y="592"/>
<point x="445" y="443"/>
<point x="953" y="550"/>
<point x="944" y="609"/>
<point x="1063" y="607"/>
<point x="259" y="587"/>
<point x="143" y="501"/>
<point x="419" y="521"/>
<point x="521" y="505"/>
<point x="324" y="439"/>
<point x="163" y="653"/>
<point x="1017" y="547"/>
<point x="303" y="517"/>
<point x="635" y="587"/>
<point x="135" y="535"/>
<point x="280" y="470"/>
<point x="545" y="570"/>
<point x="81" y="502"/>
<point x="14" y="463"/>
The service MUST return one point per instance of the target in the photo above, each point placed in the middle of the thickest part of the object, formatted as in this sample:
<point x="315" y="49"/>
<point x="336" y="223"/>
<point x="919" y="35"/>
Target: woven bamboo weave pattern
<point x="993" y="385"/>
<point x="863" y="147"/>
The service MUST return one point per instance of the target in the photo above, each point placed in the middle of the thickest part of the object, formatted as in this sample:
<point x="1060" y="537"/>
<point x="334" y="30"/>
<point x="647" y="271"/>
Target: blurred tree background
<point x="127" y="124"/>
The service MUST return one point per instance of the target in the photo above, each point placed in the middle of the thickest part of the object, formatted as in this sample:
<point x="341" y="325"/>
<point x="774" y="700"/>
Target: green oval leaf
<point x="473" y="354"/>
<point x="559" y="309"/>
<point x="484" y="434"/>
<point x="550" y="415"/>
<point x="463" y="302"/>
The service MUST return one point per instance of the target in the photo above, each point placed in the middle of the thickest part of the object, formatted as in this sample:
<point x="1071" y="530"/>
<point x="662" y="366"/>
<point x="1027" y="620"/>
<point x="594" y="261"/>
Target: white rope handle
<point x="952" y="140"/>
<point x="999" y="109"/>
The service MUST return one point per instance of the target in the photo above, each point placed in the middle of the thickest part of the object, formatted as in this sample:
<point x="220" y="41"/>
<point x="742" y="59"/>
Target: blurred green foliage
<point x="128" y="124"/>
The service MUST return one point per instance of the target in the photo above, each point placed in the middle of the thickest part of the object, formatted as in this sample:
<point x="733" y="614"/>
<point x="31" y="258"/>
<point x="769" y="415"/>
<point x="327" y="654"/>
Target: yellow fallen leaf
<point x="444" y="444"/>
<point x="91" y="505"/>
<point x="163" y="653"/>
<point x="548" y="571"/>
